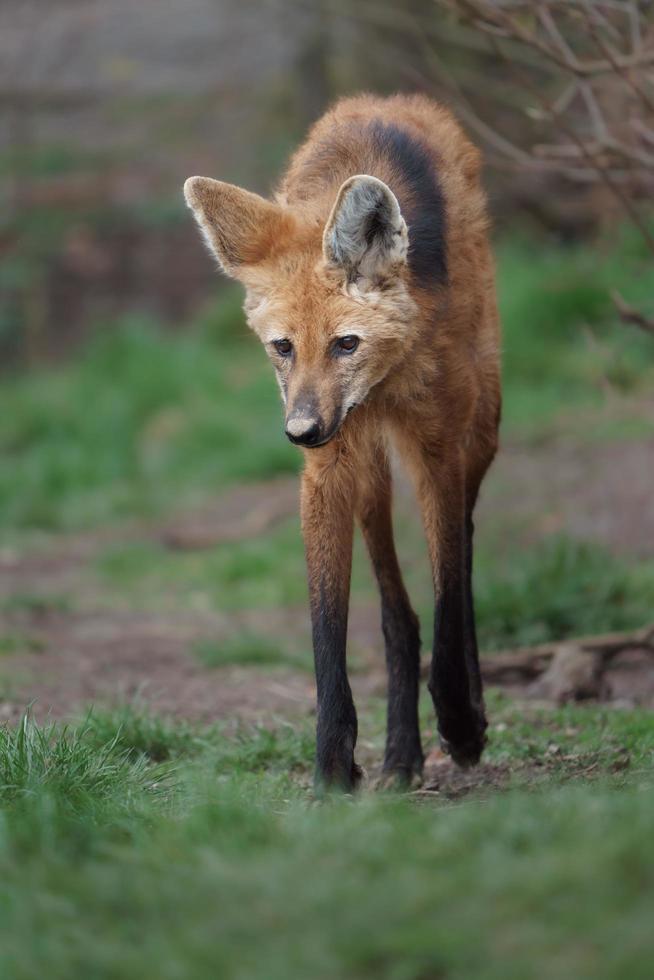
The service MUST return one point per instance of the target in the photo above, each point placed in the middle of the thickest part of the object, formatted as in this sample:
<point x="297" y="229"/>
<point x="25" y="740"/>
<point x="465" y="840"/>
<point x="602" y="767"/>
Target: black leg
<point x="336" y="729"/>
<point x="472" y="652"/>
<point x="403" y="758"/>
<point x="454" y="680"/>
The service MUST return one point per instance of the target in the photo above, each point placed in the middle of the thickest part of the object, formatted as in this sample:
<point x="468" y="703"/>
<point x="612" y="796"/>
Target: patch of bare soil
<point x="442" y="778"/>
<point x="242" y="512"/>
<point x="74" y="660"/>
<point x="600" y="492"/>
<point x="55" y="566"/>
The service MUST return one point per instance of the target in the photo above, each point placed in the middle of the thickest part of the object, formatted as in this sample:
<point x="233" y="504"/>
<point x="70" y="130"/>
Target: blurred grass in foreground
<point x="213" y="863"/>
<point x="143" y="420"/>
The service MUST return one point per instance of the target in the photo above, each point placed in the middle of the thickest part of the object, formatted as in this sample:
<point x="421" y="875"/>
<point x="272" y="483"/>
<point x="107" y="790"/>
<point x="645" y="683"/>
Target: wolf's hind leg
<point x="454" y="679"/>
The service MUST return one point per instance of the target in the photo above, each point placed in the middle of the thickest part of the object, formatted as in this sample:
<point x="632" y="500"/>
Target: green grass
<point x="250" y="649"/>
<point x="62" y="763"/>
<point x="266" y="571"/>
<point x="563" y="343"/>
<point x="136" y="733"/>
<point x="137" y="421"/>
<point x="561" y="741"/>
<point x="17" y="641"/>
<point x="218" y="864"/>
<point x="35" y="604"/>
<point x="559" y="589"/>
<point x="55" y="787"/>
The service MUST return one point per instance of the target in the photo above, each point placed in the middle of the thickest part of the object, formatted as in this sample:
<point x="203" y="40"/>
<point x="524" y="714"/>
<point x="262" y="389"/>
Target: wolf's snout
<point x="303" y="431"/>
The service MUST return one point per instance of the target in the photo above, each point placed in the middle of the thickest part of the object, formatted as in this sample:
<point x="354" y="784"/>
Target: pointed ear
<point x="366" y="234"/>
<point x="240" y="228"/>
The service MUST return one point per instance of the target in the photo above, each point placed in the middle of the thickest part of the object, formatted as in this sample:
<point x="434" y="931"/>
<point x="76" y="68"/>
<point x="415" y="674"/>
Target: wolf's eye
<point x="347" y="345"/>
<point x="283" y="347"/>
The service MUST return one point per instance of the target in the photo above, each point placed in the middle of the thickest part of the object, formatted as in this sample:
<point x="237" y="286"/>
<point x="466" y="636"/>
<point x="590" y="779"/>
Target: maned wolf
<point x="370" y="281"/>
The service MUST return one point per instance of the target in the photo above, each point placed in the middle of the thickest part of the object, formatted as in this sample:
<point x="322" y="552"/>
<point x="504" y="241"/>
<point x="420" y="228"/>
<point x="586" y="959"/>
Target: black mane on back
<point x="425" y="214"/>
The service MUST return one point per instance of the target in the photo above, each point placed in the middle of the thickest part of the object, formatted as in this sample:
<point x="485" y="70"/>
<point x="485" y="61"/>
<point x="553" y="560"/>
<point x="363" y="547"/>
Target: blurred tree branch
<point x="598" y="112"/>
<point x="590" y="87"/>
<point x="628" y="314"/>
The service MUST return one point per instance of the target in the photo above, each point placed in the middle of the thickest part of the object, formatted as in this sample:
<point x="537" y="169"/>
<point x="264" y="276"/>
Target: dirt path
<point x="66" y="659"/>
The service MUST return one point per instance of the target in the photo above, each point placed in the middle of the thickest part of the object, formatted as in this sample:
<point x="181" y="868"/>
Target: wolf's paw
<point x="401" y="779"/>
<point x="339" y="778"/>
<point x="357" y="776"/>
<point x="464" y="743"/>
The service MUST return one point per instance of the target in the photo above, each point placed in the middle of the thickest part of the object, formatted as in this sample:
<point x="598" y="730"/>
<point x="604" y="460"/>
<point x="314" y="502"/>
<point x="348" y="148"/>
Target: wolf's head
<point x="330" y="301"/>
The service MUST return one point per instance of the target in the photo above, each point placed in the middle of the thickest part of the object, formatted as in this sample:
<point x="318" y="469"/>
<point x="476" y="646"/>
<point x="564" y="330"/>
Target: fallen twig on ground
<point x="569" y="670"/>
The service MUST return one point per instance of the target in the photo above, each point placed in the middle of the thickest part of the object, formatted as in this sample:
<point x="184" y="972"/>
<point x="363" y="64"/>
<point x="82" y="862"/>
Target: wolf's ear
<point x="240" y="228"/>
<point x="366" y="235"/>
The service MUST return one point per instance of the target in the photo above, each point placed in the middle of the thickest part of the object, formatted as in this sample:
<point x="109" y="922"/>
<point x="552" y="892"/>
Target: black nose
<point x="309" y="436"/>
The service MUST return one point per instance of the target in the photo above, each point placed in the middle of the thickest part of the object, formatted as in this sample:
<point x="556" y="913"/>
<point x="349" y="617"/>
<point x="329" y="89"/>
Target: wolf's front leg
<point x="403" y="759"/>
<point x="327" y="525"/>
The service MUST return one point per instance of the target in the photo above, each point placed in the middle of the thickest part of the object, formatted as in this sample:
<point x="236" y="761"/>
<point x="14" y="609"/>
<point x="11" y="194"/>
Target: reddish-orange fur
<point x="429" y="374"/>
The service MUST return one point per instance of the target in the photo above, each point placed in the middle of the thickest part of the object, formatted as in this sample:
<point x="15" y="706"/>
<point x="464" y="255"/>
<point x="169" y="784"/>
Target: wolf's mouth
<point x="328" y="438"/>
<point x="333" y="431"/>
